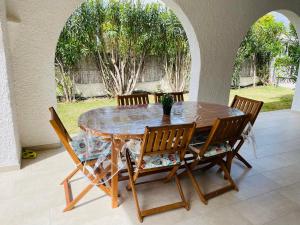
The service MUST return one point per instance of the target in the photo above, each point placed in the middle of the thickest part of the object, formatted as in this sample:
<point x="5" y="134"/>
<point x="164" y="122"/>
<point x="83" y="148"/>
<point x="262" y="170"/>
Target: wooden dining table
<point x="130" y="122"/>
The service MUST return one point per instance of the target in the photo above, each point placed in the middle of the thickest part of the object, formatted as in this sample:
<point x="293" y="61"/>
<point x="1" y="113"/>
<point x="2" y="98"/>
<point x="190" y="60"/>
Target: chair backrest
<point x="177" y="96"/>
<point x="63" y="134"/>
<point x="166" y="140"/>
<point x="135" y="99"/>
<point x="225" y="130"/>
<point x="248" y="106"/>
<point x="55" y="119"/>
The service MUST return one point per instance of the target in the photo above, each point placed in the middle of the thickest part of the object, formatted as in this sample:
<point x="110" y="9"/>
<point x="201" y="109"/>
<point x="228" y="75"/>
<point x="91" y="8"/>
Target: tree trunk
<point x="254" y="70"/>
<point x="272" y="71"/>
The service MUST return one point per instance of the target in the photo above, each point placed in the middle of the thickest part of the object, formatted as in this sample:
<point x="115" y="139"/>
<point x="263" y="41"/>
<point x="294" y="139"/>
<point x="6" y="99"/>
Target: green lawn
<point x="274" y="98"/>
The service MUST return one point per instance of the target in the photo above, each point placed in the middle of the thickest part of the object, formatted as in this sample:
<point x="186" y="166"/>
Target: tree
<point x="175" y="50"/>
<point x="261" y="44"/>
<point x="287" y="66"/>
<point x="130" y="33"/>
<point x="294" y="50"/>
<point x="119" y="36"/>
<point x="69" y="51"/>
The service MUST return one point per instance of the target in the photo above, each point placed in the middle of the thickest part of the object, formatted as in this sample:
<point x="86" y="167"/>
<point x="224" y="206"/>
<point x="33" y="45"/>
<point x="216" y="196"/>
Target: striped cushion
<point x="90" y="148"/>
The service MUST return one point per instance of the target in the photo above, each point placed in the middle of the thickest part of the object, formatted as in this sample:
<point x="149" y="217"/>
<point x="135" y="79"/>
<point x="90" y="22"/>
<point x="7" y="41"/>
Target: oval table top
<point x="132" y="120"/>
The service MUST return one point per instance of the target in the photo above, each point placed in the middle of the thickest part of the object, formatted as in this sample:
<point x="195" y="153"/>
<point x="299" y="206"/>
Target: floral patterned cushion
<point x="89" y="148"/>
<point x="217" y="149"/>
<point x="154" y="161"/>
<point x="214" y="149"/>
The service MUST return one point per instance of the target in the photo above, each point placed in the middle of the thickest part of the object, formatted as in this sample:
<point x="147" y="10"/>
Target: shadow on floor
<point x="41" y="155"/>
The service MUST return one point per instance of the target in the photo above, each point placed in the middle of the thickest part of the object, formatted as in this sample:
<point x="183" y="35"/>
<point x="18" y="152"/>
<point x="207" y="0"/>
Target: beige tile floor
<point x="269" y="193"/>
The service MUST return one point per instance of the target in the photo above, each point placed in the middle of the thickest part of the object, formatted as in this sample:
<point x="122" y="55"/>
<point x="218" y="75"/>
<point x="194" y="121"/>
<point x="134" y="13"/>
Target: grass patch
<point x="275" y="98"/>
<point x="69" y="112"/>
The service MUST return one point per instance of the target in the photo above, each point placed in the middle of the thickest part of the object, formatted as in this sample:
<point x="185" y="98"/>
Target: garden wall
<point x="89" y="84"/>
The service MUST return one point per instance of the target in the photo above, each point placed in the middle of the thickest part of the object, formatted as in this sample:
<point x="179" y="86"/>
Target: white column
<point x="9" y="142"/>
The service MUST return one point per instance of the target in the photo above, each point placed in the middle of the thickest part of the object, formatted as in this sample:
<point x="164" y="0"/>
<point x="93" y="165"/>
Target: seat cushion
<point x="153" y="161"/>
<point x="90" y="148"/>
<point x="214" y="149"/>
<point x="217" y="149"/>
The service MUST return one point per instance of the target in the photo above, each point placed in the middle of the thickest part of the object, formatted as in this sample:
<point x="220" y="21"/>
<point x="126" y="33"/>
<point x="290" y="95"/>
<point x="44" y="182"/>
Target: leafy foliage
<point x="119" y="35"/>
<point x="264" y="42"/>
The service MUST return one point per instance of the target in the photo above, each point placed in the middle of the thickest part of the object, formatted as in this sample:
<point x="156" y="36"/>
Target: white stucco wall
<point x="9" y="141"/>
<point x="215" y="28"/>
<point x="220" y="26"/>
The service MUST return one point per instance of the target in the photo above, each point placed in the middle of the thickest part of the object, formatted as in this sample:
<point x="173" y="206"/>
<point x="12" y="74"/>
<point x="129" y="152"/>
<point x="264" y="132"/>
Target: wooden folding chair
<point x="96" y="179"/>
<point x="162" y="149"/>
<point x="251" y="107"/>
<point x="134" y="99"/>
<point x="220" y="143"/>
<point x="177" y="96"/>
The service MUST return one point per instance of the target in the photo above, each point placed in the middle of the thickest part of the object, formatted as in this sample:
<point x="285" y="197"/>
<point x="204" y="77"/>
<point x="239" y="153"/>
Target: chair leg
<point x="72" y="203"/>
<point x="204" y="197"/>
<point x="134" y="193"/>
<point x="171" y="174"/>
<point x="239" y="157"/>
<point x="132" y="187"/>
<point x="187" y="205"/>
<point x="196" y="186"/>
<point x="147" y="212"/>
<point x="227" y="175"/>
<point x="93" y="182"/>
<point x="102" y="185"/>
<point x="243" y="160"/>
<point x="70" y="175"/>
<point x="229" y="158"/>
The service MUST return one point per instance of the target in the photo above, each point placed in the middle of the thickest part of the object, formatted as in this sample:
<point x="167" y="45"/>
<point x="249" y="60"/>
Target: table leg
<point x="115" y="178"/>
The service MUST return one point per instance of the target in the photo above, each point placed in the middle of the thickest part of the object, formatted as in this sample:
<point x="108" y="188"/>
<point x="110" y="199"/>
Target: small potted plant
<point x="167" y="102"/>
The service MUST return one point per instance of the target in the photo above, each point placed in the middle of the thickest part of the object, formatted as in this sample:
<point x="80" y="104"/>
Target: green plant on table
<point x="167" y="102"/>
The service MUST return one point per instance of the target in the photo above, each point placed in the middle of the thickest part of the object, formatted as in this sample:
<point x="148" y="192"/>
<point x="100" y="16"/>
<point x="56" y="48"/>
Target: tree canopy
<point x="119" y="36"/>
<point x="266" y="40"/>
